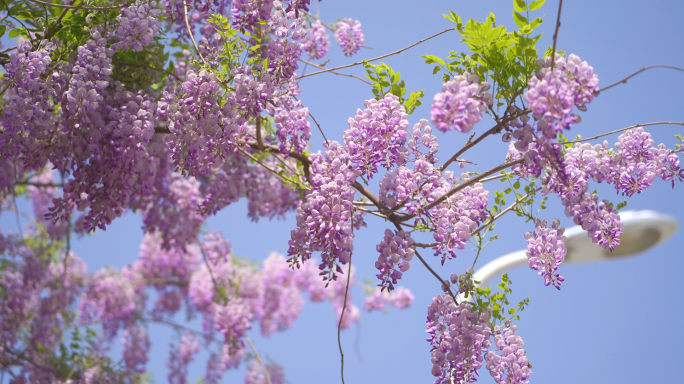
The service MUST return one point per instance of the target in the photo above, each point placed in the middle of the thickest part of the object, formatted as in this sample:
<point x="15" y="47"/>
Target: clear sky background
<point x="612" y="321"/>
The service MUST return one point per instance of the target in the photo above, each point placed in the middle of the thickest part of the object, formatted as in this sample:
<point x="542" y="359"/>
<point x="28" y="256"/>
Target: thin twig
<point x="76" y="7"/>
<point x="471" y="143"/>
<point x="344" y="307"/>
<point x="319" y="129"/>
<point x="187" y="25"/>
<point x="379" y="57"/>
<point x="258" y="359"/>
<point x="335" y="72"/>
<point x="468" y="183"/>
<point x="624" y="81"/>
<point x="624" y="129"/>
<point x="510" y="207"/>
<point x="555" y="35"/>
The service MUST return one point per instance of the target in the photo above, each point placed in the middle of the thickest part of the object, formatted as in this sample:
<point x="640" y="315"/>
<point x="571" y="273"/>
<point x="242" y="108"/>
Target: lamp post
<point x="641" y="231"/>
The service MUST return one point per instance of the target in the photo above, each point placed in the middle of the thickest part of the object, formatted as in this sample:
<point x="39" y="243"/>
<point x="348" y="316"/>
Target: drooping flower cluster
<point x="461" y="103"/>
<point x="546" y="251"/>
<point x="318" y="44"/>
<point x="136" y="346"/>
<point x="400" y="298"/>
<point x="552" y="97"/>
<point x="457" y="217"/>
<point x="29" y="117"/>
<point x="282" y="300"/>
<point x="180" y="357"/>
<point x="255" y="373"/>
<point x="377" y="135"/>
<point x="511" y="366"/>
<point x="349" y="36"/>
<point x="459" y="337"/>
<point x="285" y="49"/>
<point x="324" y="219"/>
<point x="109" y="298"/>
<point x="293" y="130"/>
<point x="138" y="26"/>
<point x="396" y="251"/>
<point x="196" y="119"/>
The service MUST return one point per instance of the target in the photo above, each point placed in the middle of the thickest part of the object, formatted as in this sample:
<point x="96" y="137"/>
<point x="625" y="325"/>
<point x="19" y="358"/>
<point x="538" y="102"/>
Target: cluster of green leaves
<point x="484" y="298"/>
<point x="681" y="142"/>
<point x="508" y="59"/>
<point x="385" y="80"/>
<point x="79" y="352"/>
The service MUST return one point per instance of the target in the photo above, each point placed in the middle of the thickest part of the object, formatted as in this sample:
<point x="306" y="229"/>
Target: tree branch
<point x="335" y="72"/>
<point x="624" y="129"/>
<point x="624" y="81"/>
<point x="379" y="57"/>
<point x="555" y="35"/>
<point x="76" y="7"/>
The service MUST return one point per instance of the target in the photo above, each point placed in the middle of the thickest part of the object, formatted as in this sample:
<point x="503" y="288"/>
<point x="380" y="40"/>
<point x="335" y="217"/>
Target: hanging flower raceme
<point x="459" y="337"/>
<point x="511" y="366"/>
<point x="109" y="298"/>
<point x="546" y="251"/>
<point x="400" y="298"/>
<point x="324" y="219"/>
<point x="457" y="217"/>
<point x="180" y="357"/>
<point x="138" y="26"/>
<point x="461" y="103"/>
<point x="349" y="36"/>
<point x="29" y="117"/>
<point x="293" y="130"/>
<point x="136" y="346"/>
<point x="318" y="44"/>
<point x="396" y="251"/>
<point x="377" y="135"/>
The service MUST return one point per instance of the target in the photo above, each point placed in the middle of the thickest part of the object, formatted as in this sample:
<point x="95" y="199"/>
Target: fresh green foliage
<point x="484" y="298"/>
<point x="385" y="80"/>
<point x="508" y="59"/>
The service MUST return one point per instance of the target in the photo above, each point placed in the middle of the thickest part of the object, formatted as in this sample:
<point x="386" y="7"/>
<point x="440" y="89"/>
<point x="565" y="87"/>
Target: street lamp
<point x="641" y="230"/>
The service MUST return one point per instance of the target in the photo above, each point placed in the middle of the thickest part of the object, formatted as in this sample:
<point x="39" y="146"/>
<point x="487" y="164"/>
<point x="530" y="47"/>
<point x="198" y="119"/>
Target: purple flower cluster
<point x="285" y="49"/>
<point x="138" y="26"/>
<point x="29" y="117"/>
<point x="400" y="298"/>
<point x="196" y="119"/>
<point x="461" y="103"/>
<point x="511" y="367"/>
<point x="324" y="219"/>
<point x="181" y="357"/>
<point x="349" y="36"/>
<point x="377" y="135"/>
<point x="248" y="13"/>
<point x="396" y="251"/>
<point x="282" y="300"/>
<point x="632" y="167"/>
<point x="136" y="346"/>
<point x="552" y="97"/>
<point x="318" y="44"/>
<point x="456" y="218"/>
<point x="109" y="298"/>
<point x="546" y="251"/>
<point x="255" y="374"/>
<point x="459" y="337"/>
<point x="293" y="130"/>
<point x="267" y="194"/>
<point x="173" y="210"/>
<point x="41" y="195"/>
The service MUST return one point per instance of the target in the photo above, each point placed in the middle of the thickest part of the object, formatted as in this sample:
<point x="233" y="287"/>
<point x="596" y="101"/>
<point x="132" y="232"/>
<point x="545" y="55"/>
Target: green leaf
<point x="516" y="185"/>
<point x="536" y="22"/>
<point x="520" y="5"/>
<point x="3" y="28"/>
<point x="13" y="33"/>
<point x="536" y="5"/>
<point x="436" y="69"/>
<point x="519" y="19"/>
<point x="430" y="59"/>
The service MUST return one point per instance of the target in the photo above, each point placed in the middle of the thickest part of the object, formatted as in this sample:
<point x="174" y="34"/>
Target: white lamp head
<point x="641" y="231"/>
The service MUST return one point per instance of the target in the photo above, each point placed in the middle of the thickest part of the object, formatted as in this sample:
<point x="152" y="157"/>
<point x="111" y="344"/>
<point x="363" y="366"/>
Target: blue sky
<point x="611" y="322"/>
